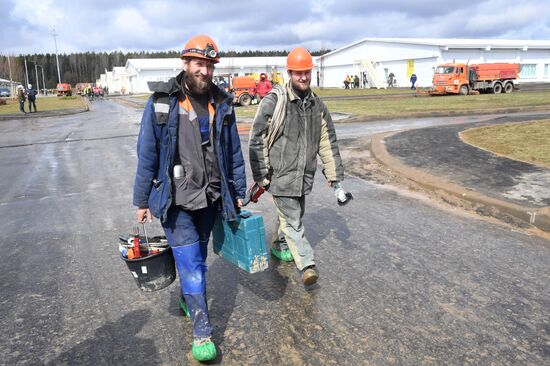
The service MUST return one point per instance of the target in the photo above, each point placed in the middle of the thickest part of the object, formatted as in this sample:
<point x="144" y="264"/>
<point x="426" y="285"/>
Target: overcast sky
<point x="106" y="25"/>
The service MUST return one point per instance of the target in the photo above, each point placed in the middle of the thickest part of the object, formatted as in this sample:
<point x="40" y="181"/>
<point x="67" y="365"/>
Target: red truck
<point x="459" y="78"/>
<point x="64" y="89"/>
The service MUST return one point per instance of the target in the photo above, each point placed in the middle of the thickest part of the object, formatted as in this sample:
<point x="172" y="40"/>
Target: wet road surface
<point x="441" y="152"/>
<point x="402" y="282"/>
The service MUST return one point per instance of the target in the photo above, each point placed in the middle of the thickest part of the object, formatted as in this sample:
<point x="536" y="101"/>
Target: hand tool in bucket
<point x="151" y="264"/>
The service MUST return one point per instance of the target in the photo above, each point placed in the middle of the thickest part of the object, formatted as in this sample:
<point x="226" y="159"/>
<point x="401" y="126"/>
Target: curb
<point x="537" y="217"/>
<point x="43" y="114"/>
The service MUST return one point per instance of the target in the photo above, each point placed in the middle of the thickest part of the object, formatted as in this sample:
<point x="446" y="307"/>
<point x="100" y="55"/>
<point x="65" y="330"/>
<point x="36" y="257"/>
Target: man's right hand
<point x="144" y="214"/>
<point x="264" y="183"/>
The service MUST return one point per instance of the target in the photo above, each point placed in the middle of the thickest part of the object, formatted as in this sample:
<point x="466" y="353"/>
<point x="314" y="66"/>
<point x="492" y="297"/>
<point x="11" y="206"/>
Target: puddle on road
<point x="531" y="187"/>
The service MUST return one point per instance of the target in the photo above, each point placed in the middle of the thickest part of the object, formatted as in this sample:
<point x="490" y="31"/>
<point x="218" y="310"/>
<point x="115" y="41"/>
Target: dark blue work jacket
<point x="157" y="148"/>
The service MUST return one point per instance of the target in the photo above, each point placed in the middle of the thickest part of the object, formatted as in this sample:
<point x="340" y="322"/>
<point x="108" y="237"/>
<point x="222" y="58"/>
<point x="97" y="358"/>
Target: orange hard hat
<point x="299" y="59"/>
<point x="201" y="46"/>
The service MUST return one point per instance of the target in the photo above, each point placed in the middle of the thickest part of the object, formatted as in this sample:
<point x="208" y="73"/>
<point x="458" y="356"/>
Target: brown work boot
<point x="309" y="275"/>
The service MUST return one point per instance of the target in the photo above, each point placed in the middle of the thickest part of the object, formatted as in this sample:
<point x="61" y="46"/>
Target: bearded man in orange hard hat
<point x="190" y="168"/>
<point x="291" y="128"/>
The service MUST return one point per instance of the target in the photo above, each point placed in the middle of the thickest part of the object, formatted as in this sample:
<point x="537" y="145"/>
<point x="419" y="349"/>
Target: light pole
<point x="36" y="74"/>
<point x="12" y="91"/>
<point x="26" y="72"/>
<point x="56" y="57"/>
<point x="43" y="83"/>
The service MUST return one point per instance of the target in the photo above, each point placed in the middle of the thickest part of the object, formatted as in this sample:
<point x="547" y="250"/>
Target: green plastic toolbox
<point x="242" y="242"/>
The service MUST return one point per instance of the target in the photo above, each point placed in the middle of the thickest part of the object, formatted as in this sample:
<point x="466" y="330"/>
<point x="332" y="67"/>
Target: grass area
<point x="44" y="104"/>
<point x="405" y="106"/>
<point x="401" y="107"/>
<point x="526" y="141"/>
<point x="341" y="92"/>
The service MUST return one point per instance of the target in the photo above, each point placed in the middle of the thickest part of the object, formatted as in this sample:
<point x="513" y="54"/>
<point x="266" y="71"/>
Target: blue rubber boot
<point x="192" y="269"/>
<point x="182" y="304"/>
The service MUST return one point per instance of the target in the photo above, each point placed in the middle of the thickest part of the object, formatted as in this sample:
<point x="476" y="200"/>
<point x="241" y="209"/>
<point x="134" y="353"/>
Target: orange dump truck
<point x="243" y="89"/>
<point x="458" y="78"/>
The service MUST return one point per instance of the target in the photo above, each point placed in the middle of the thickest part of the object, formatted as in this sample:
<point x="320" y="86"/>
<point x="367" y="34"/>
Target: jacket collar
<point x="174" y="86"/>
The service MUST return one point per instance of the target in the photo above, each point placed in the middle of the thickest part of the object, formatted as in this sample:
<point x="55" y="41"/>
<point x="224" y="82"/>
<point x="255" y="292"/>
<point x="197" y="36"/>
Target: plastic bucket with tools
<point x="153" y="268"/>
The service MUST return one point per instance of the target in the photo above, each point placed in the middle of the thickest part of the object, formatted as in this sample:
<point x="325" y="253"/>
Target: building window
<point x="546" y="71"/>
<point x="528" y="70"/>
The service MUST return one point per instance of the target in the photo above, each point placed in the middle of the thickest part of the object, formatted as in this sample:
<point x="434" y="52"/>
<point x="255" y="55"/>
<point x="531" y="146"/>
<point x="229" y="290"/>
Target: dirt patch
<point x="358" y="161"/>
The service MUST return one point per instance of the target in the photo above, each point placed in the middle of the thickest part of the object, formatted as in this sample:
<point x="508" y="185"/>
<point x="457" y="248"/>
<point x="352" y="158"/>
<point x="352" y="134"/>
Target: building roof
<point x="154" y="63"/>
<point x="225" y="62"/>
<point x="450" y="43"/>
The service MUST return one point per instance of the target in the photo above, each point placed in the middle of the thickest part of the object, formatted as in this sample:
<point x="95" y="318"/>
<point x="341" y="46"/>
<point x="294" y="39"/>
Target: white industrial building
<point x="137" y="72"/>
<point x="376" y="58"/>
<point x="372" y="59"/>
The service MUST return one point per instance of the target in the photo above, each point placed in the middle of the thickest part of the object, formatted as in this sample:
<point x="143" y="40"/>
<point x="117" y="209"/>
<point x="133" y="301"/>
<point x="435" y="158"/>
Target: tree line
<point x="87" y="66"/>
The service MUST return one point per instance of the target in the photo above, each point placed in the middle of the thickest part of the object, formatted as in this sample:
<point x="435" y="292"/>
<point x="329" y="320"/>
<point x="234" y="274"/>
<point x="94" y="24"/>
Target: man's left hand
<point x="238" y="203"/>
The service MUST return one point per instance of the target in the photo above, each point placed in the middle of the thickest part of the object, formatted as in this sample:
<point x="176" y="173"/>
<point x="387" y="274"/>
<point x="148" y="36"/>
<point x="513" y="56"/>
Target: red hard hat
<point x="299" y="59"/>
<point x="201" y="46"/>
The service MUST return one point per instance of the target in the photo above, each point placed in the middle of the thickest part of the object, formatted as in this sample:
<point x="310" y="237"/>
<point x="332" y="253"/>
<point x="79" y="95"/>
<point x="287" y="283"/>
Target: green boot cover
<point x="283" y="255"/>
<point x="183" y="307"/>
<point x="204" y="350"/>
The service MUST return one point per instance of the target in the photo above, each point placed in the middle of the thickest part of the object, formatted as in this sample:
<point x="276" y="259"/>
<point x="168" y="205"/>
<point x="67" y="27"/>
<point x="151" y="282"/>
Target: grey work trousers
<point x="289" y="230"/>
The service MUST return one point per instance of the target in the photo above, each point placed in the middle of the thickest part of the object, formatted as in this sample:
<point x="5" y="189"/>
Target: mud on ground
<point x="359" y="162"/>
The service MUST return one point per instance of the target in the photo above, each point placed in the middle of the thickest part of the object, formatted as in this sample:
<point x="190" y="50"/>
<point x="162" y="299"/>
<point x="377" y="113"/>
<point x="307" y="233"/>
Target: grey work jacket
<point x="308" y="132"/>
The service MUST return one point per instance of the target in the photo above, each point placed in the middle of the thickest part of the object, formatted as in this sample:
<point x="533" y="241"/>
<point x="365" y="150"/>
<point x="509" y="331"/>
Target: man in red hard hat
<point x="291" y="128"/>
<point x="190" y="169"/>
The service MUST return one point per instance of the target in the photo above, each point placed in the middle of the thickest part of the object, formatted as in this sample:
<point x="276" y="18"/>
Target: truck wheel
<point x="497" y="88"/>
<point x="464" y="90"/>
<point x="508" y="88"/>
<point x="245" y="100"/>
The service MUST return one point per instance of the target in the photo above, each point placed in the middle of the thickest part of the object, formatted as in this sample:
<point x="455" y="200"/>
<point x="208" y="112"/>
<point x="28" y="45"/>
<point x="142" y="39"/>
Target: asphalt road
<point x="402" y="282"/>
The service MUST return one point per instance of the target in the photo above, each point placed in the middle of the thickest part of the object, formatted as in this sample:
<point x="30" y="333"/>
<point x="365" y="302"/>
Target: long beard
<point x="196" y="85"/>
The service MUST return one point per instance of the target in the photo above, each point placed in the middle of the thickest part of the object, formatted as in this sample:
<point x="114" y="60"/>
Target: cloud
<point x="105" y="25"/>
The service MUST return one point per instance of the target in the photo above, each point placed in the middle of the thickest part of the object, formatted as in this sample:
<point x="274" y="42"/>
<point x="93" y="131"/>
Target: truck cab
<point x="63" y="89"/>
<point x="451" y="78"/>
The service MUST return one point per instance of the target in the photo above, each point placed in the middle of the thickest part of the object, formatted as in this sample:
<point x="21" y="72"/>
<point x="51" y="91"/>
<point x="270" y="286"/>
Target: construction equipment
<point x="64" y="90"/>
<point x="464" y="79"/>
<point x="244" y="89"/>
